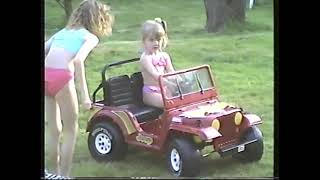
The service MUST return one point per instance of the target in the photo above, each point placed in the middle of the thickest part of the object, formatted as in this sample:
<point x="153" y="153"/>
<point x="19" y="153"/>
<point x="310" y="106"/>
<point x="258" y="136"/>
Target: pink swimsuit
<point x="161" y="61"/>
<point x="151" y="89"/>
<point x="56" y="79"/>
<point x="56" y="76"/>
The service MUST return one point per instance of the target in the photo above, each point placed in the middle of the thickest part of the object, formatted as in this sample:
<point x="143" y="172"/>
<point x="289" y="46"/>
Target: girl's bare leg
<point x="153" y="99"/>
<point x="68" y="102"/>
<point x="54" y="128"/>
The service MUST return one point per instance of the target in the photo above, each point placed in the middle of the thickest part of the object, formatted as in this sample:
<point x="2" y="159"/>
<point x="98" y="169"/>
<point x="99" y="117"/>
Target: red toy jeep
<point x="192" y="122"/>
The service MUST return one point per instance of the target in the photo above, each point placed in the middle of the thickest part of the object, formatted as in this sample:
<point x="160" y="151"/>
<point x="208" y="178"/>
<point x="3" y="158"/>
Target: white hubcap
<point x="103" y="143"/>
<point x="175" y="160"/>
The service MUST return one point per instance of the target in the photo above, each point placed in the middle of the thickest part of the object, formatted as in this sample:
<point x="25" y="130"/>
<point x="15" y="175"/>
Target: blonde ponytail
<point x="163" y="23"/>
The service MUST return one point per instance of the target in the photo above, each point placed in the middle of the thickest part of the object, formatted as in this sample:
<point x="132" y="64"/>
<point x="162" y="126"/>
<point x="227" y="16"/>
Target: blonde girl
<point x="65" y="53"/>
<point x="154" y="61"/>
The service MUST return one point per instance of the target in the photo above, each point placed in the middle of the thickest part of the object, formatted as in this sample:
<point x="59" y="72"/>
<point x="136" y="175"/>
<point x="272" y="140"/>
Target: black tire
<point x="106" y="142"/>
<point x="253" y="151"/>
<point x="189" y="158"/>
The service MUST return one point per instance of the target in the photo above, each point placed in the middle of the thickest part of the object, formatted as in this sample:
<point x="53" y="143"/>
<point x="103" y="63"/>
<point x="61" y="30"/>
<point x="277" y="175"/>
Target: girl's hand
<point x="170" y="102"/>
<point x="87" y="104"/>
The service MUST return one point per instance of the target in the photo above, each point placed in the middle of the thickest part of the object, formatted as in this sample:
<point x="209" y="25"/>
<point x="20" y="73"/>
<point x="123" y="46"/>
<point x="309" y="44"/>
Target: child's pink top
<point x="159" y="61"/>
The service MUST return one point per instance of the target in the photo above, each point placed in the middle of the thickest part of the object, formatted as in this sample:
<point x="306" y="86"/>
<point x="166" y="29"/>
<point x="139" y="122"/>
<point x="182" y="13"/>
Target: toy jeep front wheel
<point x="182" y="158"/>
<point x="253" y="151"/>
<point x="106" y="142"/>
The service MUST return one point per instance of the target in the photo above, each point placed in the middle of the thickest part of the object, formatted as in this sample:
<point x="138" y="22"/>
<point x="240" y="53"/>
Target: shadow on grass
<point x="233" y="28"/>
<point x="145" y="157"/>
<point x="215" y="164"/>
<point x="156" y="163"/>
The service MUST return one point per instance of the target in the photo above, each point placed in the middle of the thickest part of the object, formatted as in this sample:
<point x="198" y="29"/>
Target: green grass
<point x="241" y="59"/>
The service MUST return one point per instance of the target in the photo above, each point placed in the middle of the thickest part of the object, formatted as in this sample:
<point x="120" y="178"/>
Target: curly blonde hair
<point x="93" y="15"/>
<point x="156" y="28"/>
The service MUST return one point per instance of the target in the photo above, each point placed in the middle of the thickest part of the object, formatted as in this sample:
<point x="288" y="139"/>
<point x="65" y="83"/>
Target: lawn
<point x="241" y="58"/>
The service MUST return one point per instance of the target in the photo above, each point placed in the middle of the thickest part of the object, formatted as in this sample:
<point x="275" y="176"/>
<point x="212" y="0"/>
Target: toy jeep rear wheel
<point x="183" y="158"/>
<point x="106" y="142"/>
<point x="253" y="151"/>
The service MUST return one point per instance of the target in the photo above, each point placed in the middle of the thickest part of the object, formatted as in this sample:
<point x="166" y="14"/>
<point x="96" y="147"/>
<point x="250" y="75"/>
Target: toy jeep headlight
<point x="215" y="124"/>
<point x="238" y="118"/>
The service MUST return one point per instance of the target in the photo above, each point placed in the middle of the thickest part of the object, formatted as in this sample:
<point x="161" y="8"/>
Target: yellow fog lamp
<point x="215" y="124"/>
<point x="238" y="118"/>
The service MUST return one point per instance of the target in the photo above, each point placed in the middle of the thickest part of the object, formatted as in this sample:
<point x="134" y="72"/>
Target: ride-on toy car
<point x="192" y="124"/>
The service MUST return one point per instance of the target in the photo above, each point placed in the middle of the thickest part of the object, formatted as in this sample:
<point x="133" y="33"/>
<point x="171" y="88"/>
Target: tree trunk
<point x="67" y="8"/>
<point x="238" y="9"/>
<point x="215" y="14"/>
<point x="219" y="12"/>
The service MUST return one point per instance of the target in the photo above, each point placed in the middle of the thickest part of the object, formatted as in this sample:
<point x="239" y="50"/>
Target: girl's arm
<point x="169" y="67"/>
<point x="47" y="45"/>
<point x="149" y="67"/>
<point x="90" y="42"/>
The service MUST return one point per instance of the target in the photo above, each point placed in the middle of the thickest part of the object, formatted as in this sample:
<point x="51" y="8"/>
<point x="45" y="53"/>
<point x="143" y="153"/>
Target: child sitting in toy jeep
<point x="154" y="61"/>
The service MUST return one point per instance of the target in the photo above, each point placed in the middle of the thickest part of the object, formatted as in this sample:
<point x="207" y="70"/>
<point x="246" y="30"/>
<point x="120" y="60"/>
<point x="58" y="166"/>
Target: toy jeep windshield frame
<point x="186" y="86"/>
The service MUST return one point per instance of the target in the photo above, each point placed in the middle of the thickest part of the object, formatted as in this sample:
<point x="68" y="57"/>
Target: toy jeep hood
<point x="203" y="115"/>
<point x="212" y="110"/>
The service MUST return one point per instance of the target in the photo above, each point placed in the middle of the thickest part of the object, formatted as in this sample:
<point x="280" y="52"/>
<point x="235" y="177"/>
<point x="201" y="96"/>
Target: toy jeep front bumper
<point x="234" y="149"/>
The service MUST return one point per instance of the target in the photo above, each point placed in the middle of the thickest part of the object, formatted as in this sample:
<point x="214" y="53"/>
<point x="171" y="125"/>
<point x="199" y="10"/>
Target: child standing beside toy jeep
<point x="65" y="53"/>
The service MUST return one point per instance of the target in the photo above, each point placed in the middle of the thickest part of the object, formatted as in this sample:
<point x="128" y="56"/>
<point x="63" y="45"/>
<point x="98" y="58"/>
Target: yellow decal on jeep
<point x="126" y="121"/>
<point x="144" y="139"/>
<point x="94" y="110"/>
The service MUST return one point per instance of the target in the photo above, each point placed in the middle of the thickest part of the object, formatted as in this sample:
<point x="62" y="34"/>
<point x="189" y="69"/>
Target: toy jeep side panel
<point x="204" y="134"/>
<point x="119" y="117"/>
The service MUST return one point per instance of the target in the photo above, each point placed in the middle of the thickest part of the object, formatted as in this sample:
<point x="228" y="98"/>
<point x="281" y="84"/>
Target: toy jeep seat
<point x="137" y="85"/>
<point x="123" y="91"/>
<point x="117" y="91"/>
